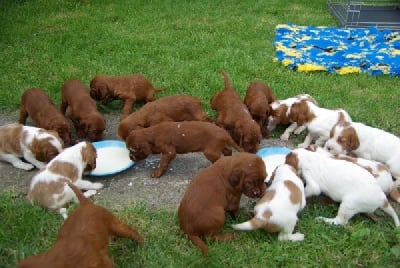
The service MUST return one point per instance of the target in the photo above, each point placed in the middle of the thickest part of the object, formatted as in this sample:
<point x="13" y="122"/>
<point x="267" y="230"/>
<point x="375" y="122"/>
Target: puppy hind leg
<point x="344" y="215"/>
<point x="287" y="233"/>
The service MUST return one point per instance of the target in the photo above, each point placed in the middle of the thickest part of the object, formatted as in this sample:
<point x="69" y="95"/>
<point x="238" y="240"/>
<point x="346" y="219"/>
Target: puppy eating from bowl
<point x="216" y="190"/>
<point x="48" y="187"/>
<point x="36" y="145"/>
<point x="171" y="138"/>
<point x="350" y="185"/>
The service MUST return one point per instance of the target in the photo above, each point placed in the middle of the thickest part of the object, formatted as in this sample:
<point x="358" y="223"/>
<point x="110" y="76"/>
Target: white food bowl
<point x="273" y="157"/>
<point x="112" y="158"/>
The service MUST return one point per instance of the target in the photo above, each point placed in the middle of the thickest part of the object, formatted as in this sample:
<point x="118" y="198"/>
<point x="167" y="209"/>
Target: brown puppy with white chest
<point x="171" y="138"/>
<point x="217" y="189"/>
<point x="128" y="88"/>
<point x="258" y="98"/>
<point x="83" y="238"/>
<point x="234" y="116"/>
<point x="171" y="108"/>
<point x="81" y="108"/>
<point x="38" y="105"/>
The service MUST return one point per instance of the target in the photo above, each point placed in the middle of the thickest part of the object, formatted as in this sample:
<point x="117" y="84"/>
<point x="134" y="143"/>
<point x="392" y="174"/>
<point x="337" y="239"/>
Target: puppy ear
<point x="89" y="156"/>
<point x="292" y="160"/>
<point x="146" y="148"/>
<point x="236" y="177"/>
<point x="353" y="142"/>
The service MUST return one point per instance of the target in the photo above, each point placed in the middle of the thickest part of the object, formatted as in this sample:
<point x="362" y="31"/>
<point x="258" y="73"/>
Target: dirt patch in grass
<point x="132" y="185"/>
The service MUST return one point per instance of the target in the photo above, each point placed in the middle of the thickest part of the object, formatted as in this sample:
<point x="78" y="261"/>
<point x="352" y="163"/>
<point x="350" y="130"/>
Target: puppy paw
<point x="63" y="213"/>
<point x="334" y="221"/>
<point x="296" y="237"/>
<point x="97" y="186"/>
<point x="24" y="166"/>
<point x="89" y="193"/>
<point x="156" y="174"/>
<point x="284" y="137"/>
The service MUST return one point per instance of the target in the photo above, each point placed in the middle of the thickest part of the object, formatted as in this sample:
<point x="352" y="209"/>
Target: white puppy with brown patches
<point x="377" y="169"/>
<point x="36" y="145"/>
<point x="277" y="210"/>
<point x="280" y="114"/>
<point x="49" y="186"/>
<point x="352" y="186"/>
<point x="366" y="142"/>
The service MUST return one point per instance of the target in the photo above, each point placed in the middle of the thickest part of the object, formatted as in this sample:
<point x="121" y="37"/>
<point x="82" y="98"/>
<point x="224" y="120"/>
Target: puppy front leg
<point x="286" y="134"/>
<point x="307" y="141"/>
<point x="31" y="159"/>
<point x="23" y="115"/>
<point x="166" y="158"/>
<point x="16" y="162"/>
<point x="128" y="103"/>
<point x="88" y="185"/>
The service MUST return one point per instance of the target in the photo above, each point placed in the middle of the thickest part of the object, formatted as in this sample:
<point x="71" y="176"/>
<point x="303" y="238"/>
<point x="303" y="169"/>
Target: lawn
<point x="184" y="45"/>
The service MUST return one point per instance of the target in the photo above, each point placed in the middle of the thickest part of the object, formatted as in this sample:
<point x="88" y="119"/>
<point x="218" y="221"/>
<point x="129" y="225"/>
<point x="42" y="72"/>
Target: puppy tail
<point x="199" y="243"/>
<point x="160" y="89"/>
<point x="82" y="199"/>
<point x="254" y="223"/>
<point x="228" y="83"/>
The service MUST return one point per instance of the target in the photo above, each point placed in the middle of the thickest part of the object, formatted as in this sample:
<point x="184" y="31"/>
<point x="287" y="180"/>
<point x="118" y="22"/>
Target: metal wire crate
<point x="383" y="14"/>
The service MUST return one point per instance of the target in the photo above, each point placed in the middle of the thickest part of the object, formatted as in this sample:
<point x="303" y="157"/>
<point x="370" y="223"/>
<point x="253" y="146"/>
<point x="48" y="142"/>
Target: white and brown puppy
<point x="318" y="121"/>
<point x="48" y="187"/>
<point x="352" y="186"/>
<point x="366" y="142"/>
<point x="277" y="210"/>
<point x="280" y="111"/>
<point x="377" y="169"/>
<point x="36" y="145"/>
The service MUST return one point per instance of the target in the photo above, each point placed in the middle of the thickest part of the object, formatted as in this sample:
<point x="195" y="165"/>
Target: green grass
<point x="28" y="230"/>
<point x="184" y="45"/>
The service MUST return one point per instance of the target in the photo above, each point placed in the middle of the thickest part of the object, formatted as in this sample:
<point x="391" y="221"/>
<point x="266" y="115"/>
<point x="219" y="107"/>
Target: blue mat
<point x="337" y="50"/>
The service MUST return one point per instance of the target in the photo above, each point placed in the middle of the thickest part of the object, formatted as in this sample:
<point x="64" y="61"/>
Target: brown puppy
<point x="171" y="138"/>
<point x="258" y="98"/>
<point x="84" y="237"/>
<point x="88" y="121"/>
<point x="38" y="105"/>
<point x="172" y="108"/>
<point x="234" y="116"/>
<point x="217" y="189"/>
<point x="128" y="88"/>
